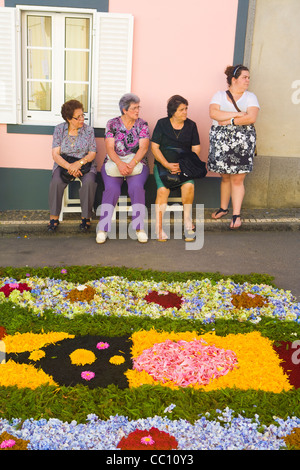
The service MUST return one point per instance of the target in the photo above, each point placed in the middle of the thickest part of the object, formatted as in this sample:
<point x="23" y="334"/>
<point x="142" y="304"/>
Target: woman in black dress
<point x="179" y="132"/>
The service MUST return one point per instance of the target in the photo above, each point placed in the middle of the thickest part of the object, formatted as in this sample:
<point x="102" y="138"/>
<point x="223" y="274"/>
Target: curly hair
<point x="234" y="71"/>
<point x="173" y="103"/>
<point x="68" y="108"/>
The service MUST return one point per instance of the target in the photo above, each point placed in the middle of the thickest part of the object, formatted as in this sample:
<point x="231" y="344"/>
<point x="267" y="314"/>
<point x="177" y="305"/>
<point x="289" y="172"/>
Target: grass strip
<point x="76" y="403"/>
<point x="82" y="274"/>
<point x="18" y="319"/>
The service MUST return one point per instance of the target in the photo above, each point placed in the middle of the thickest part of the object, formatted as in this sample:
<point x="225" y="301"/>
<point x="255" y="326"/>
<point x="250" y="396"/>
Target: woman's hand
<point x="173" y="168"/>
<point x="74" y="169"/>
<point x="124" y="168"/>
<point x="131" y="165"/>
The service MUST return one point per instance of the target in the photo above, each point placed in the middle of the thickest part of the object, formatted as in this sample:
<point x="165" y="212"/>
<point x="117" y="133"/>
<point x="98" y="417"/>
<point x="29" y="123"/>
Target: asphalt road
<point x="274" y="253"/>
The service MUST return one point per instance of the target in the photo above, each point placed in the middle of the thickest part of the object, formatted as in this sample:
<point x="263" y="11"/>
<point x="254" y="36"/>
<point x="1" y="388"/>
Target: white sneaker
<point x="101" y="236"/>
<point x="141" y="236"/>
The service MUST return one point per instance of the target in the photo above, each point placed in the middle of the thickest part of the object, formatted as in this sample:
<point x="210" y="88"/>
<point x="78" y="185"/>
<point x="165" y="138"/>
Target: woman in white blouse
<point x="233" y="139"/>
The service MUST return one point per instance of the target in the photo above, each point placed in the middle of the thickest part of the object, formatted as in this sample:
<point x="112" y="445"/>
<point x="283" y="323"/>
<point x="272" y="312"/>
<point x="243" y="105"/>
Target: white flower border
<point x="203" y="300"/>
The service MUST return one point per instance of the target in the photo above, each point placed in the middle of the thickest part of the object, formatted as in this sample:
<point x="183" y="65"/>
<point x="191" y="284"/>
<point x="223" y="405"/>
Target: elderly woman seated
<point x="173" y="135"/>
<point x="126" y="142"/>
<point x="73" y="152"/>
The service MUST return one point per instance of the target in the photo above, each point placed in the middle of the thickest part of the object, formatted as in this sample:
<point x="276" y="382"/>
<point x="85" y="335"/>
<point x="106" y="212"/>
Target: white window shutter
<point x="112" y="65"/>
<point x="8" y="78"/>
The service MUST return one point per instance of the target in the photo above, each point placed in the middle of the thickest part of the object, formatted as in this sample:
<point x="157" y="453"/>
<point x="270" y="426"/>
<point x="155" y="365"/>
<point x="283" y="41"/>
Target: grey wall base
<point x="273" y="183"/>
<point x="23" y="189"/>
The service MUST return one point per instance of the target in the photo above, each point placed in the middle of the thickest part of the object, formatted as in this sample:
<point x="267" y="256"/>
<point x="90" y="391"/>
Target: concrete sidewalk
<point x="35" y="222"/>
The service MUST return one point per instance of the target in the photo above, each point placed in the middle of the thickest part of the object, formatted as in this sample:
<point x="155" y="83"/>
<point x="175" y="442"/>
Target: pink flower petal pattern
<point x="185" y="362"/>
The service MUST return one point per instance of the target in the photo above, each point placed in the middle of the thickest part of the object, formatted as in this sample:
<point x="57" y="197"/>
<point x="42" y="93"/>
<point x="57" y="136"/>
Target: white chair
<point x="123" y="205"/>
<point x="69" y="204"/>
<point x="177" y="207"/>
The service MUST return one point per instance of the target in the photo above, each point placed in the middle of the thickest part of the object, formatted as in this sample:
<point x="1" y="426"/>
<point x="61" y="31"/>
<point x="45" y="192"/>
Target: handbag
<point x="65" y="175"/>
<point x="112" y="169"/>
<point x="169" y="180"/>
<point x="191" y="167"/>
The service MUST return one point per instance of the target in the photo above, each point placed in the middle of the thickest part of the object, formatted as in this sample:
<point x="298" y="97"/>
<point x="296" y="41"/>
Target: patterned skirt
<point x="231" y="149"/>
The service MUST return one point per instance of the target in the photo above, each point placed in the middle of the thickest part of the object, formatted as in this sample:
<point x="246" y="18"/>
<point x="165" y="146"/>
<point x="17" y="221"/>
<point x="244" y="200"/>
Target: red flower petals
<point x="2" y="332"/>
<point x="149" y="439"/>
<point x="289" y="354"/>
<point x="165" y="299"/>
<point x="8" y="288"/>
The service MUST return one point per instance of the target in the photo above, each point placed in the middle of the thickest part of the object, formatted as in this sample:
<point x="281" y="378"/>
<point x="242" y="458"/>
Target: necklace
<point x="177" y="134"/>
<point x="72" y="139"/>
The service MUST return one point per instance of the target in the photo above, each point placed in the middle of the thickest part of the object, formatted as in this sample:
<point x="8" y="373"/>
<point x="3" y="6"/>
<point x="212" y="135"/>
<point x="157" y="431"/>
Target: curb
<point x="68" y="227"/>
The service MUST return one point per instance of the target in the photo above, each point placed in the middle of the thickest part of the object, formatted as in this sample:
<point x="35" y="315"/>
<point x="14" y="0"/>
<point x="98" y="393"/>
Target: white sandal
<point x="141" y="236"/>
<point x="101" y="236"/>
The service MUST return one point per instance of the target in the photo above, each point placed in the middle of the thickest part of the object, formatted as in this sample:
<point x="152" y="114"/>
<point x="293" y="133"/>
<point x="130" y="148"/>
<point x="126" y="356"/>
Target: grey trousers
<point x="87" y="193"/>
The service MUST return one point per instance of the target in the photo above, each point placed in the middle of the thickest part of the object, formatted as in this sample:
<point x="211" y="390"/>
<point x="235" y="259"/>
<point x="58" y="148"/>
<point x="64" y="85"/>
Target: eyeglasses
<point x="78" y="117"/>
<point x="134" y="108"/>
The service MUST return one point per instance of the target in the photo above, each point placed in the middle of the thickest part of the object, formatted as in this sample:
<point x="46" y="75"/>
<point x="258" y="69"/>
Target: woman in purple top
<point x="73" y="138"/>
<point x="126" y="142"/>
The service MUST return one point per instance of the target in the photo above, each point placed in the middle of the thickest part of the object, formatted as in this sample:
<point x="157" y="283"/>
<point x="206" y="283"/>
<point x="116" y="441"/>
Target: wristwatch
<point x="81" y="162"/>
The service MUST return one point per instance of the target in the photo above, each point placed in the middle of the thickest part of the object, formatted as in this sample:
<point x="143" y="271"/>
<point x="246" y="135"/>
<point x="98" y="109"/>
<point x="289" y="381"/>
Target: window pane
<point x="39" y="64"/>
<point x="39" y="96"/>
<point x="77" y="66"/>
<point x="77" y="91"/>
<point x="39" y="31"/>
<point x="77" y="33"/>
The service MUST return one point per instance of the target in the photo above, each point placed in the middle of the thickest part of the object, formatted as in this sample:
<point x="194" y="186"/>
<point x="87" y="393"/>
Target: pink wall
<point x="179" y="48"/>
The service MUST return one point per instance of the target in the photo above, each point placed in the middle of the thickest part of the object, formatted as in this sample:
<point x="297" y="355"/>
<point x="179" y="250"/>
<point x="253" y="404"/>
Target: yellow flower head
<point x="117" y="360"/>
<point x="81" y="357"/>
<point x="37" y="355"/>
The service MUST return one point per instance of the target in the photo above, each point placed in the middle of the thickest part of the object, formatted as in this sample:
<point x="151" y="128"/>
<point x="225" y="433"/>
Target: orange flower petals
<point x="23" y="376"/>
<point x="21" y="342"/>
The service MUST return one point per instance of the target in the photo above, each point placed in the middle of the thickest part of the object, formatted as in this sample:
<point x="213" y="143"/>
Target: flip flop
<point x="53" y="224"/>
<point x="233" y="221"/>
<point x="220" y="211"/>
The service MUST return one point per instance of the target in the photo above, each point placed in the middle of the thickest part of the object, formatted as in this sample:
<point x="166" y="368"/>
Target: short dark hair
<point x="174" y="102"/>
<point x="234" y="71"/>
<point x="68" y="108"/>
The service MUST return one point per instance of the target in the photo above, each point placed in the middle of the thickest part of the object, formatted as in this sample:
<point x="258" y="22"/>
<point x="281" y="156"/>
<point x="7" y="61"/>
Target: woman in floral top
<point x="125" y="136"/>
<point x="75" y="139"/>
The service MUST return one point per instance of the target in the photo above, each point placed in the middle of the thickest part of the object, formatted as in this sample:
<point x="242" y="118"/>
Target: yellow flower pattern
<point x="258" y="364"/>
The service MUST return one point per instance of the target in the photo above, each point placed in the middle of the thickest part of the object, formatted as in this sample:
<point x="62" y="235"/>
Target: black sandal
<point x="53" y="224"/>
<point x="85" y="225"/>
<point x="225" y="212"/>
<point x="234" y="217"/>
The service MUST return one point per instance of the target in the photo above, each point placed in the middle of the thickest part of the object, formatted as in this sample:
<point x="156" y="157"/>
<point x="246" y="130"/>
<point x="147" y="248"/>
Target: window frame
<point x="58" y="65"/>
<point x="97" y="120"/>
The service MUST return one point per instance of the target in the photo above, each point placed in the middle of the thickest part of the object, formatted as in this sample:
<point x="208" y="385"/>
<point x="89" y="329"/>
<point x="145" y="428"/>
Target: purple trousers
<point x="111" y="193"/>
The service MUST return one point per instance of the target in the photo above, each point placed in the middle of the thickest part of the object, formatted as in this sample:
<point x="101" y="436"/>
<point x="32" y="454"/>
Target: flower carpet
<point x="114" y="363"/>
